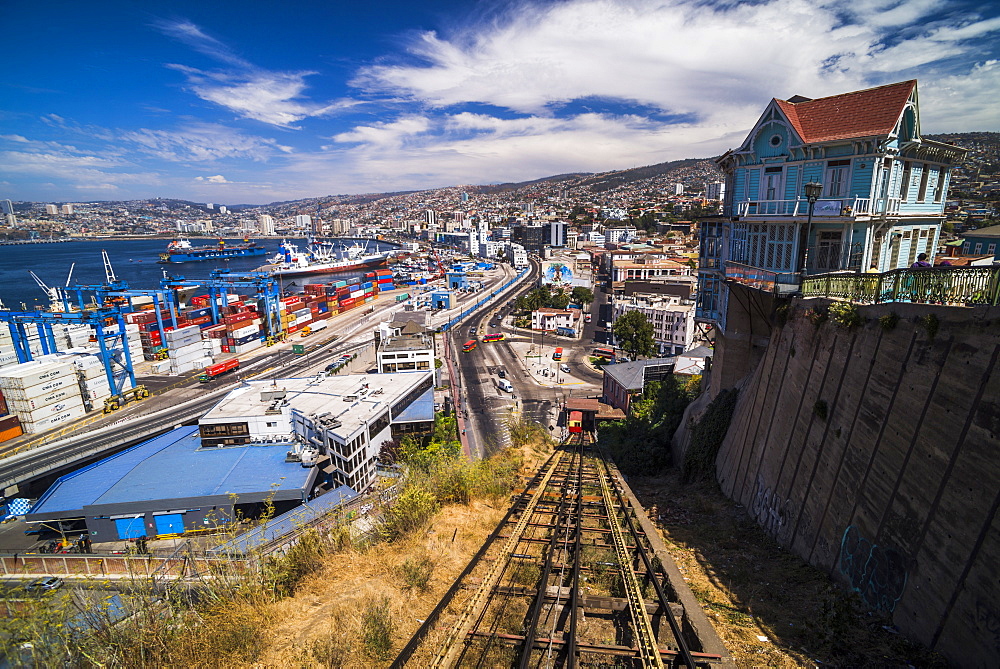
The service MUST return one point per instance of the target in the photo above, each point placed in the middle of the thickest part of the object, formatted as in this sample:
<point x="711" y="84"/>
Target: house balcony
<point x="847" y="207"/>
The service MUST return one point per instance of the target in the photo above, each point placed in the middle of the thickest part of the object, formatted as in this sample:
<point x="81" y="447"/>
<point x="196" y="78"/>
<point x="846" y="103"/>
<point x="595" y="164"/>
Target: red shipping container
<point x="292" y="329"/>
<point x="346" y="302"/>
<point x="225" y="348"/>
<point x="321" y="316"/>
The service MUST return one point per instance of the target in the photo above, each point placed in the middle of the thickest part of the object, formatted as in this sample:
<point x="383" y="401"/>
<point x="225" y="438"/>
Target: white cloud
<point x="683" y="57"/>
<point x="275" y="98"/>
<point x="203" y="142"/>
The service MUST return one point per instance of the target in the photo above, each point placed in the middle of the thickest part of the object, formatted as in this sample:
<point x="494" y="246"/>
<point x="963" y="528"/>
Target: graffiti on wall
<point x="875" y="572"/>
<point x="770" y="511"/>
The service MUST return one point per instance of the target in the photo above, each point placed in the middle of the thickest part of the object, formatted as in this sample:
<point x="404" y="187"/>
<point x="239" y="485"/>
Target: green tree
<point x="634" y="333"/>
<point x="582" y="295"/>
<point x="559" y="301"/>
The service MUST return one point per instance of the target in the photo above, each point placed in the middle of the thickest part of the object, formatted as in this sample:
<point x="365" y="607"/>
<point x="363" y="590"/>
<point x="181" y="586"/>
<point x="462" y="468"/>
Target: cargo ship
<point x="181" y="250"/>
<point x="322" y="259"/>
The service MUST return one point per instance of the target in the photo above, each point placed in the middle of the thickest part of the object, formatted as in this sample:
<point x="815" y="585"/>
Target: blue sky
<point x="254" y="102"/>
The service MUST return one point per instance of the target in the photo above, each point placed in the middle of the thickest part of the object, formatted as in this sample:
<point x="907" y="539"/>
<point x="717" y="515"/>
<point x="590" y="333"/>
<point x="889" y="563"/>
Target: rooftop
<point x="174" y="466"/>
<point x="354" y="399"/>
<point x="867" y="113"/>
<point x="408" y="342"/>
<point x="632" y="375"/>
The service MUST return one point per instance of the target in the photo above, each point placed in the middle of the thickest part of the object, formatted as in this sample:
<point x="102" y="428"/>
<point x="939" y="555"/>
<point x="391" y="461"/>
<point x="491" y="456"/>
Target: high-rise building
<point x="317" y="226"/>
<point x="678" y="189"/>
<point x="266" y="224"/>
<point x="209" y="205"/>
<point x="715" y="190"/>
<point x="465" y="197"/>
<point x="6" y="206"/>
<point x="67" y="209"/>
<point x="248" y="225"/>
<point x="430" y="216"/>
<point x="51" y="209"/>
<point x="223" y="209"/>
<point x="303" y="221"/>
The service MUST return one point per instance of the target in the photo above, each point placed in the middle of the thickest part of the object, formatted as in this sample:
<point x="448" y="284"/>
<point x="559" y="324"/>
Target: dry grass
<point x="327" y="608"/>
<point x="750" y="587"/>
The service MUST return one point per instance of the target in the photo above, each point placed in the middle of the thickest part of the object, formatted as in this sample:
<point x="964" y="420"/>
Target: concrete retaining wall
<point x="873" y="454"/>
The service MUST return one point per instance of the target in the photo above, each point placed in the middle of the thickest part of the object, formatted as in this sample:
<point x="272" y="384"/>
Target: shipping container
<point x="25" y="375"/>
<point x="53" y="421"/>
<point x="10" y="428"/>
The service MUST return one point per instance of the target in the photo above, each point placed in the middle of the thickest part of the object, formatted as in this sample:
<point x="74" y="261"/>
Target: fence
<point x="97" y="566"/>
<point x="451" y="323"/>
<point x="963" y="286"/>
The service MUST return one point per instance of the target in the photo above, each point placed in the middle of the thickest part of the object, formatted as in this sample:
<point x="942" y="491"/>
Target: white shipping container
<point x="39" y="389"/>
<point x="188" y="356"/>
<point x="66" y="394"/>
<point x="161" y="367"/>
<point x="30" y="374"/>
<point x="53" y="421"/>
<point x="7" y="358"/>
<point x="182" y="332"/>
<point x="187" y="348"/>
<point x="184" y="367"/>
<point x="41" y="413"/>
<point x="181" y="342"/>
<point x="245" y="332"/>
<point x="100" y="383"/>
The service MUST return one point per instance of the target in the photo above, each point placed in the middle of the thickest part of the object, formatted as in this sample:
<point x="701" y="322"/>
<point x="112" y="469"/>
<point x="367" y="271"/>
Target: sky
<point x="263" y="101"/>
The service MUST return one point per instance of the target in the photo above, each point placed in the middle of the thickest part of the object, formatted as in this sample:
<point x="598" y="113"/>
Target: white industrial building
<point x="340" y="422"/>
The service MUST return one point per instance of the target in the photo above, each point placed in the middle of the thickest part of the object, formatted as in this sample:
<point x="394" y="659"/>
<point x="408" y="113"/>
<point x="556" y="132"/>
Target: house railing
<point x="968" y="286"/>
<point x="826" y="207"/>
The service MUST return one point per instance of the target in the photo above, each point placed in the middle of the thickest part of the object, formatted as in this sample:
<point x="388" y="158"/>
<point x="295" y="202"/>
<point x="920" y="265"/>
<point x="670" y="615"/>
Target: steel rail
<point x="456" y="639"/>
<point x="536" y="612"/>
<point x="574" y="596"/>
<point x="684" y="651"/>
<point x="645" y="636"/>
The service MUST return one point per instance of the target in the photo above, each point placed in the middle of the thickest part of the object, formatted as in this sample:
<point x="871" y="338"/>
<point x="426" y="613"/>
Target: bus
<point x="557" y="355"/>
<point x="496" y="336"/>
<point x="469" y="345"/>
<point x="606" y="353"/>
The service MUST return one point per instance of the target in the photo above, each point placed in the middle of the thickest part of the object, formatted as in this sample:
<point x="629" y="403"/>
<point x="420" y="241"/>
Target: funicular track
<point x="568" y="579"/>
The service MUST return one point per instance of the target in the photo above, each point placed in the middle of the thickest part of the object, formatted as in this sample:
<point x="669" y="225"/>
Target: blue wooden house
<point x="878" y="194"/>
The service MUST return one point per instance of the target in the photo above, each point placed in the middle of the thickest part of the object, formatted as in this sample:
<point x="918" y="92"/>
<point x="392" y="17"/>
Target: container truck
<point x="315" y="326"/>
<point x="218" y="369"/>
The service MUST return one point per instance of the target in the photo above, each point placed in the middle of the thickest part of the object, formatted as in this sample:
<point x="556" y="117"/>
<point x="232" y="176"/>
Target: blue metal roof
<point x="173" y="466"/>
<point x="422" y="409"/>
<point x="284" y="524"/>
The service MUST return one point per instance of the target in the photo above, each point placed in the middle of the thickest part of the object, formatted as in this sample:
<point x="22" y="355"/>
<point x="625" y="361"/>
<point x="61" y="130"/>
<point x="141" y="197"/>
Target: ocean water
<point x="133" y="261"/>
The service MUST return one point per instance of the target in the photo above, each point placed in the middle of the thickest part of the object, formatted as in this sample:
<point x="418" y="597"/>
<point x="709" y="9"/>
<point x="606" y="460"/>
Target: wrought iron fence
<point x="966" y="286"/>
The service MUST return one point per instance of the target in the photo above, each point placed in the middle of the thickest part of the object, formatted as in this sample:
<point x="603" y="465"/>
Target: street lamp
<point x="812" y="191"/>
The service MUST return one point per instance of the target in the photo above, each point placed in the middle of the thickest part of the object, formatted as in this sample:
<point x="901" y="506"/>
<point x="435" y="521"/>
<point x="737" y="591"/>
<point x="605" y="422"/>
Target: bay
<point x="133" y="261"/>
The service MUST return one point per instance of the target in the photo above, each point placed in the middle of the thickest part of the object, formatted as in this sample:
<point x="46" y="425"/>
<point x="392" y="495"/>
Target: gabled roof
<point x="866" y="113"/>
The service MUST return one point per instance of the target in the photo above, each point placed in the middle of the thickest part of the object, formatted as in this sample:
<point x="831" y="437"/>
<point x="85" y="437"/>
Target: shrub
<point x="846" y="314"/>
<point x="889" y="321"/>
<point x="417" y="572"/>
<point x="377" y="629"/>
<point x="411" y="511"/>
<point x="707" y="436"/>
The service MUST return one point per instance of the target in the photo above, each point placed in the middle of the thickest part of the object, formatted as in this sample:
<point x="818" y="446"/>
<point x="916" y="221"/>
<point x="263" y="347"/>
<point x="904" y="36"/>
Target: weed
<point x="931" y="324"/>
<point x="816" y="316"/>
<point x="417" y="572"/>
<point x="846" y="314"/>
<point x="377" y="629"/>
<point x="781" y="314"/>
<point x="889" y="321"/>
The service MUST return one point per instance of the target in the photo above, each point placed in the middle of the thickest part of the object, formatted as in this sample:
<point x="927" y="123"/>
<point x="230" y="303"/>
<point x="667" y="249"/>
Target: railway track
<point x="567" y="579"/>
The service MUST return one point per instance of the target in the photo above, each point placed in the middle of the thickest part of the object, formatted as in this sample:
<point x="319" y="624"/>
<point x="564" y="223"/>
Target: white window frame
<point x="838" y="172"/>
<point x="772" y="186"/>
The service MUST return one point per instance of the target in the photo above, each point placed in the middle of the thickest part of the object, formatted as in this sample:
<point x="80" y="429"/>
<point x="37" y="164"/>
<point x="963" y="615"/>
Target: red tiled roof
<point x="858" y="114"/>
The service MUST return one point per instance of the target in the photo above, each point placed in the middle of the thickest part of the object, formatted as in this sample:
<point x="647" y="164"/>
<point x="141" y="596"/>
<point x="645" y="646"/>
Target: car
<point x="502" y="374"/>
<point x="332" y="366"/>
<point x="564" y="368"/>
<point x="44" y="584"/>
<point x="473" y="331"/>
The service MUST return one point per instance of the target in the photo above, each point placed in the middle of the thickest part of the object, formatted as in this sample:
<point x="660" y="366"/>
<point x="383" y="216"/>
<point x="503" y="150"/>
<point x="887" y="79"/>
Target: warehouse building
<point x="282" y="441"/>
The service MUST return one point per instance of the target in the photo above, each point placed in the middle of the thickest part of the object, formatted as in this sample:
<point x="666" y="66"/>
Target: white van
<point x="504" y="385"/>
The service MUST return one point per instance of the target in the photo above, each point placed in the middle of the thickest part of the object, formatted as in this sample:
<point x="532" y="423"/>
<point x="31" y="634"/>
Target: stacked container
<point x="43" y="395"/>
<point x="185" y="349"/>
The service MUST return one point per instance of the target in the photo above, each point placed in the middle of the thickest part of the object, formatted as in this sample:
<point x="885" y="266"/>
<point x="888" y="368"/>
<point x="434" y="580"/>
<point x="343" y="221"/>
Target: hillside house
<point x="880" y="200"/>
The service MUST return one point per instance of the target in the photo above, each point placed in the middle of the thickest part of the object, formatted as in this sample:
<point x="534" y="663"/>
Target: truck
<point x="116" y="402"/>
<point x="315" y="326"/>
<point x="218" y="369"/>
<point x="505" y="385"/>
